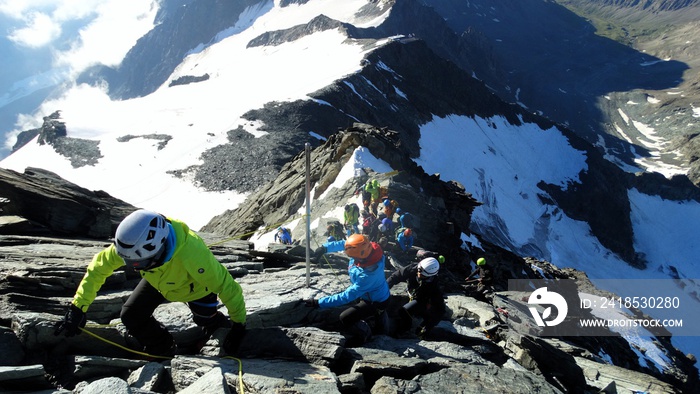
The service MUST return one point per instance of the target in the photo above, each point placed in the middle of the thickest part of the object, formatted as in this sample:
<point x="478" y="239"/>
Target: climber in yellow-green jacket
<point x="373" y="188"/>
<point x="175" y="265"/>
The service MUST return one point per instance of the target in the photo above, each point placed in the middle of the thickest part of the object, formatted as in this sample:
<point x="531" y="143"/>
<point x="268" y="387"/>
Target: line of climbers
<point x="368" y="296"/>
<point x="177" y="266"/>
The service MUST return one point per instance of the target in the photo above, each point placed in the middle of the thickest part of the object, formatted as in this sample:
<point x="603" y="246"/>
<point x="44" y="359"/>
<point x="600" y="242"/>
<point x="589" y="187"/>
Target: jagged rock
<point x="263" y="376"/>
<point x="374" y="363"/>
<point x="12" y="224"/>
<point x="275" y="299"/>
<point x="150" y="377"/>
<point x="432" y="353"/>
<point x="21" y="372"/>
<point x="436" y="203"/>
<point x="87" y="367"/>
<point x="537" y="355"/>
<point x="468" y="379"/>
<point x="316" y="346"/>
<point x="352" y="383"/>
<point x="61" y="206"/>
<point x="459" y="306"/>
<point x="212" y="382"/>
<point x="26" y="375"/>
<point x="303" y="344"/>
<point x="11" y="348"/>
<point x="602" y="375"/>
<point x="107" y="385"/>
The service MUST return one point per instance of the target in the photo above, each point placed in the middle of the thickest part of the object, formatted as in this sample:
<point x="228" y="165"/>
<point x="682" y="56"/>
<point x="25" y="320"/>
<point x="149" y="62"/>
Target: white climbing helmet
<point x="141" y="235"/>
<point x="429" y="266"/>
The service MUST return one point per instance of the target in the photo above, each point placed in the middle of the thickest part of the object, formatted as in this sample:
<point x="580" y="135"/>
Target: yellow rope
<point x="122" y="347"/>
<point x="240" y="363"/>
<point x="240" y="372"/>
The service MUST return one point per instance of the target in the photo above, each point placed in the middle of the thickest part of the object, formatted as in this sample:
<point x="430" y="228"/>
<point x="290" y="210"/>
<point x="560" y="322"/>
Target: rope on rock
<point x="240" y="363"/>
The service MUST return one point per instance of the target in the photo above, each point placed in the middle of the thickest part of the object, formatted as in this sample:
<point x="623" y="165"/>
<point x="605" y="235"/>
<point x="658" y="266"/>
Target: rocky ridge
<point x="490" y="346"/>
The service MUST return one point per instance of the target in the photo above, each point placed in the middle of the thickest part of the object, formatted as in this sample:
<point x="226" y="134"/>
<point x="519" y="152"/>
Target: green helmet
<point x="481" y="261"/>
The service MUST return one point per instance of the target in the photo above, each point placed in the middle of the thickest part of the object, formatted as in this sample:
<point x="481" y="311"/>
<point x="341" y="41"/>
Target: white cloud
<point x="111" y="27"/>
<point x="40" y="30"/>
<point x="107" y="39"/>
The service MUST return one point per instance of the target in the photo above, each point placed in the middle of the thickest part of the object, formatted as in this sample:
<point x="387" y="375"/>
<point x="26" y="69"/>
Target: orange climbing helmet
<point x="358" y="246"/>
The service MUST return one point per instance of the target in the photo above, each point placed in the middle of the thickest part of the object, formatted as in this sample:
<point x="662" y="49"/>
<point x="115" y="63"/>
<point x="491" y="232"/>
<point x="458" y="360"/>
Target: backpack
<point x="353" y="209"/>
<point x="336" y="230"/>
<point x="368" y="220"/>
<point x="284" y="236"/>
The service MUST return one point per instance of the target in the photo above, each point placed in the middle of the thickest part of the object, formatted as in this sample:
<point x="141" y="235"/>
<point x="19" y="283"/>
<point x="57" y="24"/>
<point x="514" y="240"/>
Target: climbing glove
<point x="234" y="338"/>
<point x="320" y="251"/>
<point x="73" y="321"/>
<point x="311" y="302"/>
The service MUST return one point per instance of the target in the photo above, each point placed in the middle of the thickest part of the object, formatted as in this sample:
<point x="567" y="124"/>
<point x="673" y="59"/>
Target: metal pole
<point x="308" y="214"/>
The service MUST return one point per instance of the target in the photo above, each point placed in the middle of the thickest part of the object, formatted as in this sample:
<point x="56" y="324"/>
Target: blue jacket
<point x="368" y="283"/>
<point x="283" y="237"/>
<point x="404" y="242"/>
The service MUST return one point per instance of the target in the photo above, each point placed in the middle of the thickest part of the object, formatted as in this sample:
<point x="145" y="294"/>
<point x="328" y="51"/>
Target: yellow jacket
<point x="191" y="273"/>
<point x="373" y="191"/>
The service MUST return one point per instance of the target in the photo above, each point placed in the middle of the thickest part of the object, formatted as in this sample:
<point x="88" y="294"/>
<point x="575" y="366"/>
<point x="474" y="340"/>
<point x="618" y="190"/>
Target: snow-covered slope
<point x="197" y="116"/>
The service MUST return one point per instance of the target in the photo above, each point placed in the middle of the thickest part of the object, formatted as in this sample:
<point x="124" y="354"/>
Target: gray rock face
<point x="442" y="207"/>
<point x="281" y="338"/>
<point x="478" y="346"/>
<point x="58" y="206"/>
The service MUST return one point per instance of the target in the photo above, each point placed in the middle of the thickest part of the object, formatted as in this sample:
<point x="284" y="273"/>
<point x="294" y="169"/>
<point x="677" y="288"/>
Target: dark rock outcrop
<point x="48" y="203"/>
<point x="81" y="152"/>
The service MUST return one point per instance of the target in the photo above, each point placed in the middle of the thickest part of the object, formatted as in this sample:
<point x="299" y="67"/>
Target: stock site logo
<point x="543" y="297"/>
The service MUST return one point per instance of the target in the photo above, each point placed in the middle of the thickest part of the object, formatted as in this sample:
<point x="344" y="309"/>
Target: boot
<point x="362" y="332"/>
<point x="164" y="349"/>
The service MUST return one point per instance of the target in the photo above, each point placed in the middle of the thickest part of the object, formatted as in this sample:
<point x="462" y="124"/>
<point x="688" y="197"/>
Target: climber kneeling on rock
<point x="175" y="265"/>
<point x="478" y="288"/>
<point x="425" y="297"/>
<point x="368" y="290"/>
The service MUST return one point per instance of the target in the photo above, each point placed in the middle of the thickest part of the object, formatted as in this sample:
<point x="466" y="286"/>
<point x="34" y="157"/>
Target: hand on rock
<point x="311" y="302"/>
<point x="234" y="338"/>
